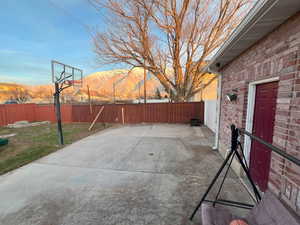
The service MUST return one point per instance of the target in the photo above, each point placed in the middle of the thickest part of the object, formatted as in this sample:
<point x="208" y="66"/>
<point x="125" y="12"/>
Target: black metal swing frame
<point x="234" y="152"/>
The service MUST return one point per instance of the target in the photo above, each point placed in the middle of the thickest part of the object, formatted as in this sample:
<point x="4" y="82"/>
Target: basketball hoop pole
<point x="58" y="113"/>
<point x="63" y="80"/>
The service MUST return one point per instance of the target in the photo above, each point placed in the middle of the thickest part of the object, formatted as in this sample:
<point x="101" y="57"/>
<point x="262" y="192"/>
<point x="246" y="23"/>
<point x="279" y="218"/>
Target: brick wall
<point x="277" y="55"/>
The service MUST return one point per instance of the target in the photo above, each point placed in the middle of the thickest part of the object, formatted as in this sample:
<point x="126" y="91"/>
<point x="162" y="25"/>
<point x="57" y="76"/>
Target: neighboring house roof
<point x="263" y="18"/>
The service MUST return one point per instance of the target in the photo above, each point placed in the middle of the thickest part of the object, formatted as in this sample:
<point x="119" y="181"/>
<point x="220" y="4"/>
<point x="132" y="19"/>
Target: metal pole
<point x="140" y="92"/>
<point x="114" y="90"/>
<point x="145" y="88"/>
<point x="89" y="98"/>
<point x="169" y="94"/>
<point x="58" y="114"/>
<point x="272" y="147"/>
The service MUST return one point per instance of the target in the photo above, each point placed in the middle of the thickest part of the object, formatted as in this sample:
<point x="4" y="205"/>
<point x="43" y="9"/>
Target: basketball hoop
<point x="67" y="83"/>
<point x="76" y="83"/>
<point x="63" y="76"/>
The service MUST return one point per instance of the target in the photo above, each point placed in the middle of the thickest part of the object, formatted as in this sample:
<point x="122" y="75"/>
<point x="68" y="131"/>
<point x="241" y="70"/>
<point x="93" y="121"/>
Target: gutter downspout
<point x="218" y="108"/>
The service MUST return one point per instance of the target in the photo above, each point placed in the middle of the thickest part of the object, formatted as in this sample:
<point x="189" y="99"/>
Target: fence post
<point x="123" y="119"/>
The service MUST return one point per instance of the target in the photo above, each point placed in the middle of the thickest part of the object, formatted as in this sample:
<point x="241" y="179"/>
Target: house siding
<point x="210" y="91"/>
<point x="277" y="55"/>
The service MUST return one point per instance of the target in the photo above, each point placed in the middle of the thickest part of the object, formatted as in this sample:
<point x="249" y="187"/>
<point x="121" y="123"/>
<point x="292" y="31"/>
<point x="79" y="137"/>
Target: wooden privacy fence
<point x="139" y="113"/>
<point x="13" y="113"/>
<point x="32" y="112"/>
<point x="112" y="113"/>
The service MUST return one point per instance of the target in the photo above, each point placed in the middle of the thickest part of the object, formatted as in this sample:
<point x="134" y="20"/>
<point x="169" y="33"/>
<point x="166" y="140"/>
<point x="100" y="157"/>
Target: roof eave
<point x="256" y="19"/>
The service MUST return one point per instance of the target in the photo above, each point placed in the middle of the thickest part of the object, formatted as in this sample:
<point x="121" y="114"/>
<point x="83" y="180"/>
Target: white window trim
<point x="250" y="113"/>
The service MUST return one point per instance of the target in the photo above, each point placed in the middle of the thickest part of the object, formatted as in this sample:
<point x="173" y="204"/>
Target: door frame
<point x="250" y="113"/>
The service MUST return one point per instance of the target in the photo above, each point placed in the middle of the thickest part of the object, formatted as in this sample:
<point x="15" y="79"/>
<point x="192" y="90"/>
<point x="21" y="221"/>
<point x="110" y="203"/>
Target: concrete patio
<point x="132" y="175"/>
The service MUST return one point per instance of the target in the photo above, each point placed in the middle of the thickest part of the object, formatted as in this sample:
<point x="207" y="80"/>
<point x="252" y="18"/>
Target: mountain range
<point x="103" y="86"/>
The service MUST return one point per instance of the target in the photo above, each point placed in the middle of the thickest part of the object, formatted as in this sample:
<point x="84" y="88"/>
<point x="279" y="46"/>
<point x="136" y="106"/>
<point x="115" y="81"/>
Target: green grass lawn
<point x="32" y="143"/>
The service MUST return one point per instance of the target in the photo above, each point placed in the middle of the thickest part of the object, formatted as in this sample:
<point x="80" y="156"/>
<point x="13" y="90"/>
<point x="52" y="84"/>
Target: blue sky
<point x="33" y="32"/>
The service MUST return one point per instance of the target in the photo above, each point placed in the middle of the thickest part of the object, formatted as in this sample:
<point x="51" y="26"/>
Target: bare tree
<point x="172" y="39"/>
<point x="21" y="95"/>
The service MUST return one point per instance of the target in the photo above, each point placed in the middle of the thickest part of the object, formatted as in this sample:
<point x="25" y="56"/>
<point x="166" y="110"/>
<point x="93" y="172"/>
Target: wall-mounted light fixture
<point x="232" y="96"/>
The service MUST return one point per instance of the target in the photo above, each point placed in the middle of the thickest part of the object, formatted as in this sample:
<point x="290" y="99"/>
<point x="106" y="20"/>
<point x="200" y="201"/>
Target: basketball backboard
<point x="63" y="76"/>
<point x="66" y="75"/>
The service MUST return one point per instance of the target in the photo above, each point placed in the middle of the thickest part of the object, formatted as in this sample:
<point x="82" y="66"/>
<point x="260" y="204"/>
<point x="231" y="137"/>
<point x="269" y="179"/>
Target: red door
<point x="263" y="125"/>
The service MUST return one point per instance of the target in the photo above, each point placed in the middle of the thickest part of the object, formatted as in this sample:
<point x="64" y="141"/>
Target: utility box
<point x="195" y="122"/>
<point x="3" y="142"/>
